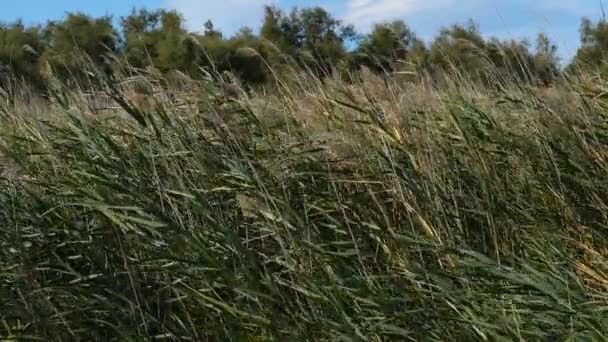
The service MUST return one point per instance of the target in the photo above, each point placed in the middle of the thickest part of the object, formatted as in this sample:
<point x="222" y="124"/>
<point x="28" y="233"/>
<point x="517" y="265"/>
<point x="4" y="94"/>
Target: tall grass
<point x="325" y="211"/>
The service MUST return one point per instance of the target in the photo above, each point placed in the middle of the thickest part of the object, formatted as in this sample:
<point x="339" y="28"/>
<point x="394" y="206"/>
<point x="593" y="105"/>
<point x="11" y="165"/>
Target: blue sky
<point x="504" y="18"/>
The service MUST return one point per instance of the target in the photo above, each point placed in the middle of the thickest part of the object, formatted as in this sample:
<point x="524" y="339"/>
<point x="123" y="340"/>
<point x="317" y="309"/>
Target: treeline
<point x="311" y="37"/>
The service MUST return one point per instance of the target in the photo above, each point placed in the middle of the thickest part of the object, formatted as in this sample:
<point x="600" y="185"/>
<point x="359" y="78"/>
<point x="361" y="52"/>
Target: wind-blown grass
<point x="368" y="211"/>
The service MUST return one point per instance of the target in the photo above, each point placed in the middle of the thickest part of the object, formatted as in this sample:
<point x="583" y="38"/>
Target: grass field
<point x="316" y="211"/>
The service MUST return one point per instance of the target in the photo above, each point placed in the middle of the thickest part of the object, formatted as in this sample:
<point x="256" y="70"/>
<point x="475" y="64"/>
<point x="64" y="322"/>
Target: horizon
<point x="559" y="19"/>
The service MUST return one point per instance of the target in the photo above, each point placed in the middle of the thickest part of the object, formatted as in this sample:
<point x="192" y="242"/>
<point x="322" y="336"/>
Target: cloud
<point x="228" y="15"/>
<point x="359" y="3"/>
<point x="363" y="13"/>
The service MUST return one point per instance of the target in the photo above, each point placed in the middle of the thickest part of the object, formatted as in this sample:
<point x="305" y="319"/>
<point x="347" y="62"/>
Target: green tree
<point x="271" y="29"/>
<point x="459" y="47"/>
<point x="175" y="50"/>
<point x="323" y="36"/>
<point x="141" y="34"/>
<point x="210" y="31"/>
<point x="311" y="34"/>
<point x="20" y="49"/>
<point x="509" y="60"/>
<point x="281" y="29"/>
<point x="246" y="57"/>
<point x="78" y="40"/>
<point x="594" y="45"/>
<point x="546" y="60"/>
<point x="419" y="56"/>
<point x="159" y="39"/>
<point x="385" y="44"/>
<point x="214" y="49"/>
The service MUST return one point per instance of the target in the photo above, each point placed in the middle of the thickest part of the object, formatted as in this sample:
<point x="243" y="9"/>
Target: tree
<point x="546" y="60"/>
<point x="214" y="49"/>
<point x="246" y="57"/>
<point x="387" y="43"/>
<point x="78" y="40"/>
<point x="464" y="50"/>
<point x="141" y="33"/>
<point x="159" y="39"/>
<point x="174" y="49"/>
<point x="419" y="56"/>
<point x="20" y="49"/>
<point x="509" y="60"/>
<point x="274" y="29"/>
<point x="311" y="35"/>
<point x="594" y="45"/>
<point x="210" y="30"/>
<point x="323" y="36"/>
<point x="461" y="48"/>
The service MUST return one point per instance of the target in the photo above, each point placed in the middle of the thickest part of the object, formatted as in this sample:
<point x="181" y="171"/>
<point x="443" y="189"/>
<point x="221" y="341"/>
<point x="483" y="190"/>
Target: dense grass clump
<point x="372" y="210"/>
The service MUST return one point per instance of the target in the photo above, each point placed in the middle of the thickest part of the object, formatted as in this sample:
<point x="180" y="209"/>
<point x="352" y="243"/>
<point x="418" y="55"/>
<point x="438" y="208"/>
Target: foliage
<point x="76" y="41"/>
<point x="20" y="48"/>
<point x="386" y="44"/>
<point x="594" y="42"/>
<point x="546" y="60"/>
<point x="305" y="38"/>
<point x="459" y="47"/>
<point x="311" y="35"/>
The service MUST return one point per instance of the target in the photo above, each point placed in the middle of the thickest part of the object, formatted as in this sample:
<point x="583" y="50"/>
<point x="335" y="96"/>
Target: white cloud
<point x="363" y="13"/>
<point x="359" y="3"/>
<point x="227" y="15"/>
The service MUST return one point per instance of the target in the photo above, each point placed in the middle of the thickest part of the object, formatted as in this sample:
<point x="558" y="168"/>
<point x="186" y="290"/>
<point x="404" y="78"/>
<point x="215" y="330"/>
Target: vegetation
<point x="197" y="188"/>
<point x="311" y="37"/>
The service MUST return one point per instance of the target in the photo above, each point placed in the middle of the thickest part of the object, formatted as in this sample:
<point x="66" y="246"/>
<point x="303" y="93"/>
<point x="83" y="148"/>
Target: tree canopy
<point x="311" y="37"/>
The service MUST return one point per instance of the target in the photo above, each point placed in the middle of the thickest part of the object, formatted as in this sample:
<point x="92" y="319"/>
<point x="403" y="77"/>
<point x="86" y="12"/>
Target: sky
<point x="560" y="19"/>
